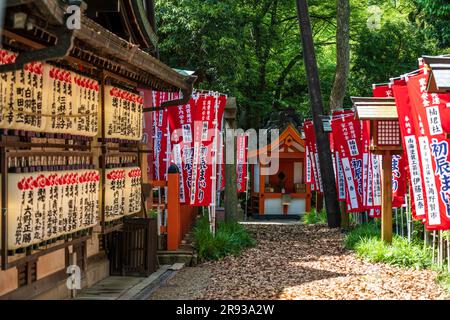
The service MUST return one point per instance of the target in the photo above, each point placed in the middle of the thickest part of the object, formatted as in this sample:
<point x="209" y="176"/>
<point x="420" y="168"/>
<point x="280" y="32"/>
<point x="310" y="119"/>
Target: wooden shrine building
<point x="283" y="193"/>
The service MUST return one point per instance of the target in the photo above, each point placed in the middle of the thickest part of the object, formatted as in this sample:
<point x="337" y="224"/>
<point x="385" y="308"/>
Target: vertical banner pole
<point x="247" y="185"/>
<point x="396" y="221"/>
<point x="448" y="252"/>
<point x="434" y="245"/>
<point x="441" y="249"/>
<point x="214" y="167"/>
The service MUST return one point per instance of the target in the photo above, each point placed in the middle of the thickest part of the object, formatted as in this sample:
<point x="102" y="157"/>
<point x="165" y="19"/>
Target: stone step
<point x="189" y="258"/>
<point x="186" y="247"/>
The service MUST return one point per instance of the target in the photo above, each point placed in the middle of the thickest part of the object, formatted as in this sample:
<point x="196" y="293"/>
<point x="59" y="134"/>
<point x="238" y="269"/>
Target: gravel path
<point x="299" y="262"/>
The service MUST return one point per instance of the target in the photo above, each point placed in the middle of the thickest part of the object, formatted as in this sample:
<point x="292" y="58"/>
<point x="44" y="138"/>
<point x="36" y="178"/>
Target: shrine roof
<point x="92" y="43"/>
<point x="289" y="132"/>
<point x="371" y="108"/>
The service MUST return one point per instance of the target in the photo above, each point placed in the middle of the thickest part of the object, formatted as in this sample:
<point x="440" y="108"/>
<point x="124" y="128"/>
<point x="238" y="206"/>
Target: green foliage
<point x="152" y="213"/>
<point x="385" y="53"/>
<point x="366" y="241"/>
<point x="444" y="280"/>
<point x="314" y="217"/>
<point x="400" y="253"/>
<point x="434" y="17"/>
<point x="361" y="232"/>
<point x="251" y="49"/>
<point x="230" y="239"/>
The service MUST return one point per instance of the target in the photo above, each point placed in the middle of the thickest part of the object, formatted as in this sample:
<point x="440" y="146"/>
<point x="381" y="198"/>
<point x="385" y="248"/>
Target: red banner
<point x="180" y="120"/>
<point x="431" y="115"/>
<point x="411" y="147"/>
<point x="348" y="142"/>
<point x="308" y="128"/>
<point x="208" y="114"/>
<point x="339" y="173"/>
<point x="161" y="141"/>
<point x="241" y="163"/>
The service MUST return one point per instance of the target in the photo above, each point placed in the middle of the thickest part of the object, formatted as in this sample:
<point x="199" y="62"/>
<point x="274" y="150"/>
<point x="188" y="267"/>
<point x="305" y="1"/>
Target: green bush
<point x="400" y="253"/>
<point x="313" y="217"/>
<point x="444" y="280"/>
<point x="360" y="232"/>
<point x="366" y="241"/>
<point x="230" y="239"/>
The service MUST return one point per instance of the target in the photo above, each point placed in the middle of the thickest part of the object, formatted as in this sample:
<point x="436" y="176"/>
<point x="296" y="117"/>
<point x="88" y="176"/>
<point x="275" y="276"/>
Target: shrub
<point x="230" y="239"/>
<point x="366" y="241"/>
<point x="314" y="217"/>
<point x="400" y="253"/>
<point x="360" y="232"/>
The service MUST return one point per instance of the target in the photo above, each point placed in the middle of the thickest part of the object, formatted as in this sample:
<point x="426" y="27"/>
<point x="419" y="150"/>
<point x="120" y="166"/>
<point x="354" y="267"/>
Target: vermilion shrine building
<point x="283" y="193"/>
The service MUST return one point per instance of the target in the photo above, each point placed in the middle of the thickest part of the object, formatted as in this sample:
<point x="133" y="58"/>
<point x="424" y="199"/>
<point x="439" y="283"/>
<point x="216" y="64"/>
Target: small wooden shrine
<point x="283" y="193"/>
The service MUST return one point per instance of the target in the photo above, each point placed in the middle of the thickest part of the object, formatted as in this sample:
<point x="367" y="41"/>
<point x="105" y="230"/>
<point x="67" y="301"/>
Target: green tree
<point x="250" y="48"/>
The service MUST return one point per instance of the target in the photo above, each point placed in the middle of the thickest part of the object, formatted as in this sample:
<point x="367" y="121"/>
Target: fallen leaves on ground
<point x="297" y="261"/>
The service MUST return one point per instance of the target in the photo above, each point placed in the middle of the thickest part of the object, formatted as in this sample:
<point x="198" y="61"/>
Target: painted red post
<point x="174" y="210"/>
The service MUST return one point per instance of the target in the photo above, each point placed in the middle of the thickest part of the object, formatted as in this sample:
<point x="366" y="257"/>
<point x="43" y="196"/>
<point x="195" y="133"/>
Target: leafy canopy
<point x="251" y="49"/>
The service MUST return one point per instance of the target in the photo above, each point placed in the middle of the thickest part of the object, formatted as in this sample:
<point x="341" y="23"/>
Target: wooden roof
<point x="370" y="108"/>
<point x="376" y="112"/>
<point x="92" y="43"/>
<point x="289" y="138"/>
<point x="439" y="80"/>
<point x="129" y="19"/>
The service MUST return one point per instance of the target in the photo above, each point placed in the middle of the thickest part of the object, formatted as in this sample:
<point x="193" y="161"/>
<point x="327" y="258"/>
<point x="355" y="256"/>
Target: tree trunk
<point x="323" y="143"/>
<point x="231" y="198"/>
<point x="342" y="54"/>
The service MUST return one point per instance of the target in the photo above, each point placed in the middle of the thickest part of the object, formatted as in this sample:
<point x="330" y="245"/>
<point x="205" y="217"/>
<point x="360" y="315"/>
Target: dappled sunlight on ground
<point x="295" y="261"/>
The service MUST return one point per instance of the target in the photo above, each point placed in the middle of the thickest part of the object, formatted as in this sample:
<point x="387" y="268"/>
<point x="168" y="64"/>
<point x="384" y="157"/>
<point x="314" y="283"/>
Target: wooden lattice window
<point x="388" y="133"/>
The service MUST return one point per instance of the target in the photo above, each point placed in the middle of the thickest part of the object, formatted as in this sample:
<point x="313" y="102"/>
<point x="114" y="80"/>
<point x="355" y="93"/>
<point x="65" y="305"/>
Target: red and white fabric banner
<point x="313" y="158"/>
<point x="161" y="141"/>
<point x="339" y="172"/>
<point x="411" y="148"/>
<point x="241" y="163"/>
<point x="208" y="114"/>
<point x="347" y="141"/>
<point x="180" y="120"/>
<point x="431" y="115"/>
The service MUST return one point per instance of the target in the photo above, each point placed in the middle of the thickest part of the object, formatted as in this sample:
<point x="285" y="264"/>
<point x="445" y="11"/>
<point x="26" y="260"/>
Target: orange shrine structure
<point x="283" y="193"/>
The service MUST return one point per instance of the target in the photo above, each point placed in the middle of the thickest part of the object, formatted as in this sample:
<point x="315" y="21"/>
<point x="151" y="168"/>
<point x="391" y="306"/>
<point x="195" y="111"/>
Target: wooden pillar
<point x="144" y="166"/>
<point x="173" y="208"/>
<point x="386" y="209"/>
<point x="345" y="219"/>
<point x="308" y="198"/>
